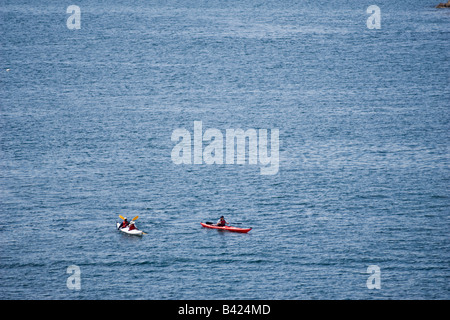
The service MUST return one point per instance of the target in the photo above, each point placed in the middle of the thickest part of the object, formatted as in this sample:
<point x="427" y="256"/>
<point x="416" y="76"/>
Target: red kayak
<point x="228" y="228"/>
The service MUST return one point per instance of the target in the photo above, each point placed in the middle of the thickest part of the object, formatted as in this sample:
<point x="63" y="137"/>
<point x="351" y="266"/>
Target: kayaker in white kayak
<point x="124" y="223"/>
<point x="132" y="226"/>
<point x="221" y="222"/>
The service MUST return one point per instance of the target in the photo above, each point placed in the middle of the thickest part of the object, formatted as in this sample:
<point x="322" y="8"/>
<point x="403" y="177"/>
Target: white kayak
<point x="134" y="232"/>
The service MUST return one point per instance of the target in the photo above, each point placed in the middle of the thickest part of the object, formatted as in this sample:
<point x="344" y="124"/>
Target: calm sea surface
<point x="86" y="118"/>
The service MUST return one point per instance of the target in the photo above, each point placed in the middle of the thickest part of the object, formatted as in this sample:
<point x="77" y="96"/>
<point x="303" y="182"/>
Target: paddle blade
<point x="121" y="217"/>
<point x="135" y="218"/>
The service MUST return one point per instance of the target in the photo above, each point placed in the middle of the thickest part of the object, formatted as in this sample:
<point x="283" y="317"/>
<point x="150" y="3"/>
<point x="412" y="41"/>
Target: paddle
<point x="212" y="223"/>
<point x="135" y="218"/>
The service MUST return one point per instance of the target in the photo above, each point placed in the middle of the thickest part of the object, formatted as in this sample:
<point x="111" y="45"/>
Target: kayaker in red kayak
<point x="221" y="222"/>
<point x="132" y="226"/>
<point x="125" y="223"/>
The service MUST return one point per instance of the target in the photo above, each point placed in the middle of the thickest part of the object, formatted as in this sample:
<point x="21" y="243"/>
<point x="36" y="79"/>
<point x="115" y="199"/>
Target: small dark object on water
<point x="444" y="5"/>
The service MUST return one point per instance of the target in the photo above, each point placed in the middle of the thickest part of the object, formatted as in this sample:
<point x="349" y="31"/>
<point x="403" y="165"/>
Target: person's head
<point x="222" y="218"/>
<point x="132" y="222"/>
<point x="125" y="219"/>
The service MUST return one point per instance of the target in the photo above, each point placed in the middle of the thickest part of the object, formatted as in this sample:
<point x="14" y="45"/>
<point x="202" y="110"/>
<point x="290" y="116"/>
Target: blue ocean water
<point x="86" y="118"/>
